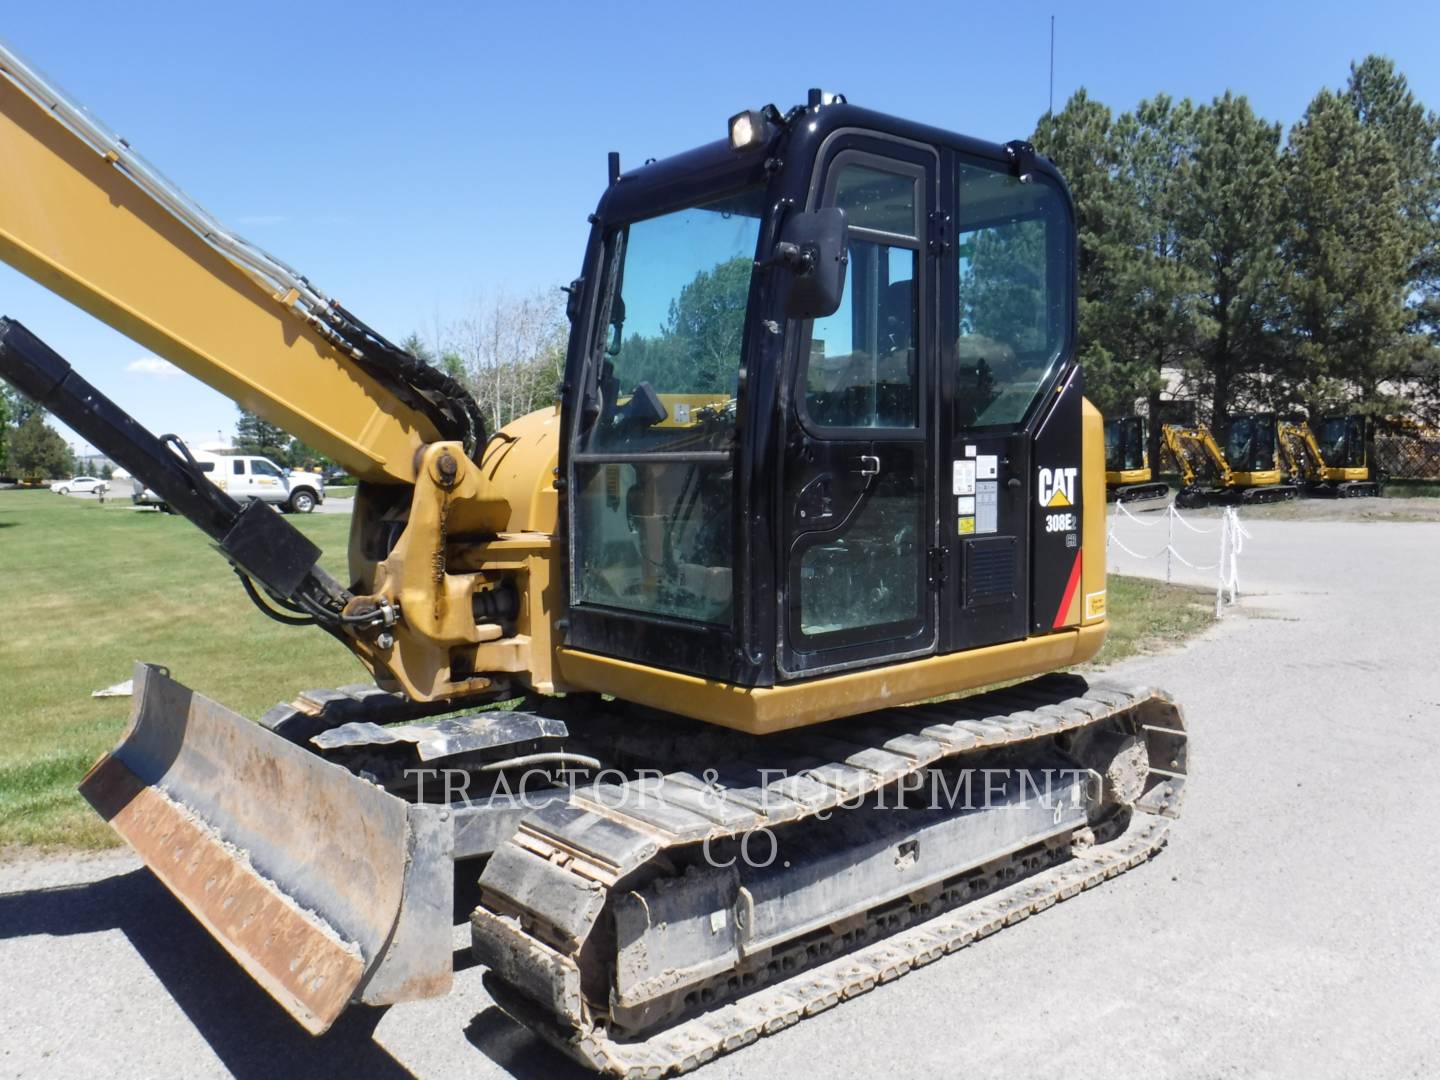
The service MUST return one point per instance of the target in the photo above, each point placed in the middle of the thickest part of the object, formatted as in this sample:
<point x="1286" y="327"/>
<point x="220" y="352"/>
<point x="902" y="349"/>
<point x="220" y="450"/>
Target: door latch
<point x="939" y="232"/>
<point x="937" y="567"/>
<point x="869" y="465"/>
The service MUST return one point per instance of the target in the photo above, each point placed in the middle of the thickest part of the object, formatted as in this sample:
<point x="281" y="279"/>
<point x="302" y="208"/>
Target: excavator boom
<point x="1208" y="474"/>
<point x="88" y="218"/>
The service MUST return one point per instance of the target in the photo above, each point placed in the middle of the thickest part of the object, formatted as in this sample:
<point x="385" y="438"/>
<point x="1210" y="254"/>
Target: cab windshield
<point x="1250" y="444"/>
<point x="671" y="354"/>
<point x="1124" y="444"/>
<point x="653" y="473"/>
<point x="1342" y="441"/>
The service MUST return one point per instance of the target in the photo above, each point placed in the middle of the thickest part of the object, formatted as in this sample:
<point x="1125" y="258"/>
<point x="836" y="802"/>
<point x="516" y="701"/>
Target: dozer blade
<point x="324" y="887"/>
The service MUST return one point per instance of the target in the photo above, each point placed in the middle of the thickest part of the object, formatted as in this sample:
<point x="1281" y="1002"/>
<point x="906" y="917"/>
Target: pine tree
<point x="1232" y="224"/>
<point x="256" y="436"/>
<point x="1079" y="140"/>
<point x="1348" y="260"/>
<point x="1384" y="104"/>
<point x="1158" y="292"/>
<point x="37" y="449"/>
<point x="415" y="345"/>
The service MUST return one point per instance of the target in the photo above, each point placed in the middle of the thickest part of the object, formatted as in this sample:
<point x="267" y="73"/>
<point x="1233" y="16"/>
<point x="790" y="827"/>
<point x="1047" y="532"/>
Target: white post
<point x="1220" y="566"/>
<point x="1169" y="540"/>
<point x="1234" y="556"/>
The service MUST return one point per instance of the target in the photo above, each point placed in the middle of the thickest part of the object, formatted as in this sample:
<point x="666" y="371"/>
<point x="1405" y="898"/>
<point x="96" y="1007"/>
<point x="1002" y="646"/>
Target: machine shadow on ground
<point x="248" y="1031"/>
<point x="250" y="1034"/>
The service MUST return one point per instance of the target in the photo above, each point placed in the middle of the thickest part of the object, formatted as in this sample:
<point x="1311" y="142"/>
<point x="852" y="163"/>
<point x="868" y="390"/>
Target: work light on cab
<point x="747" y="129"/>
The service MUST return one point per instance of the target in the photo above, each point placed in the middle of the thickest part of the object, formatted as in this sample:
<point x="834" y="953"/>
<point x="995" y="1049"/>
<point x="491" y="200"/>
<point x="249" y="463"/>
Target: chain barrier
<point x="1227" y="565"/>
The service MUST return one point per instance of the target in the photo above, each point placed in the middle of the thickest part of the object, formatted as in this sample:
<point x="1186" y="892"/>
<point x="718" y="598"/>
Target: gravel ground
<point x="1397" y="508"/>
<point x="1288" y="930"/>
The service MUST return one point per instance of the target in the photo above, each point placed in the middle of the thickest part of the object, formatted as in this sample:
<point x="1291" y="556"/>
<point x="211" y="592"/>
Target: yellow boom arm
<point x="90" y="220"/>
<point x="1189" y="446"/>
<point x="1300" y="452"/>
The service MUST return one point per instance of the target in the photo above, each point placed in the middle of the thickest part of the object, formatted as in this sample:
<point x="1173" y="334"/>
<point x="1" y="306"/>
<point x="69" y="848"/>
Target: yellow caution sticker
<point x="967" y="526"/>
<point x="1095" y="605"/>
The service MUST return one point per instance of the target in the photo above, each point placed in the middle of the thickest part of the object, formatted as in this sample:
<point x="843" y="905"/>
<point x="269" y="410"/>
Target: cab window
<point x="653" y="476"/>
<point x="264" y="468"/>
<point x="861" y="371"/>
<point x="238" y="467"/>
<point x="1013" y="245"/>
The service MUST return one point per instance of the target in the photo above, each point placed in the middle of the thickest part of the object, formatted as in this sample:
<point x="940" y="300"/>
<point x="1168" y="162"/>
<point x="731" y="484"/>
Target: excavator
<point x="676" y="666"/>
<point x="1247" y="470"/>
<point x="1336" y="462"/>
<point x="1127" y="463"/>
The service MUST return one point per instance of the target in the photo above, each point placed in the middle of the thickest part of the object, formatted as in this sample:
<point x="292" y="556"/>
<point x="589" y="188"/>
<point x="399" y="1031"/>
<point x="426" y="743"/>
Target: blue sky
<point x="414" y="158"/>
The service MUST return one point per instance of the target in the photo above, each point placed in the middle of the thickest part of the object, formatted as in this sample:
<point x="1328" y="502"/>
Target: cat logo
<point x="1056" y="487"/>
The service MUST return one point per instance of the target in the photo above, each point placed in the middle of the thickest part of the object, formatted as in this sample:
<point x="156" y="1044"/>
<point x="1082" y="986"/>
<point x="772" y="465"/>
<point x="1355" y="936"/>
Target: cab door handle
<point x="869" y="465"/>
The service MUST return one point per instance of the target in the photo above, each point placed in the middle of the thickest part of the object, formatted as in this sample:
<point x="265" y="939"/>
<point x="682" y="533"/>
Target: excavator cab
<point x="1347" y="442"/>
<point x="1250" y="445"/>
<point x="1337" y="456"/>
<point x="1252" y="450"/>
<point x="1127" y="462"/>
<point x="759" y="488"/>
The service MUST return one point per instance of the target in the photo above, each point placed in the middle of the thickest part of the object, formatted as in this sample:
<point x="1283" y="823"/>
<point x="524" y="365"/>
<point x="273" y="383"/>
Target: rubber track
<point x="546" y="888"/>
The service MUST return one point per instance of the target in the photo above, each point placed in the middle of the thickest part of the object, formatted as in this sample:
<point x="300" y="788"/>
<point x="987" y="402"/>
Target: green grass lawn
<point x="1411" y="489"/>
<point x="1147" y="616"/>
<point x="90" y="589"/>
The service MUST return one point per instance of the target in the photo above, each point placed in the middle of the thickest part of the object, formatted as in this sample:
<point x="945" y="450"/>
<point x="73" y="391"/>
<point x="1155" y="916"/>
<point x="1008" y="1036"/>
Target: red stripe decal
<point x="1070" y="588"/>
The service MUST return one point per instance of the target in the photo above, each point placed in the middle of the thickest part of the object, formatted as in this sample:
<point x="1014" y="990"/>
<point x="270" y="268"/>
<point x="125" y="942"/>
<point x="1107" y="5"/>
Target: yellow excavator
<point x="1247" y="470"/>
<point x="672" y="666"/>
<point x="1336" y="462"/>
<point x="1127" y="462"/>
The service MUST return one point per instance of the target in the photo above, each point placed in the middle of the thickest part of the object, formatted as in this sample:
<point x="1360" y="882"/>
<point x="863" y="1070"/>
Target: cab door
<point x="1011" y="432"/>
<point x="857" y="502"/>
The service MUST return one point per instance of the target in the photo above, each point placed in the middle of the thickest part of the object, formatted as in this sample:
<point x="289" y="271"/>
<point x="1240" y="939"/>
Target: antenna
<point x="1052" y="65"/>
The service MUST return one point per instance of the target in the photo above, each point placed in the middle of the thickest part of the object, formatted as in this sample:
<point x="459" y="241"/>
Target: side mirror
<point x="813" y="252"/>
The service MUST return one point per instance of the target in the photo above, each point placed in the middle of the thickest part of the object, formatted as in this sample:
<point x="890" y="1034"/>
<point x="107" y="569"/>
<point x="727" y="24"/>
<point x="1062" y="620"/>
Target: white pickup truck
<point x="245" y="477"/>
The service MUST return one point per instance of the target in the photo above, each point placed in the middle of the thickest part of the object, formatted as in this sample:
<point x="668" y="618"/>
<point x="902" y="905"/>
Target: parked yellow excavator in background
<point x="1127" y="463"/>
<point x="1247" y="470"/>
<point x="718" y="588"/>
<point x="1336" y="462"/>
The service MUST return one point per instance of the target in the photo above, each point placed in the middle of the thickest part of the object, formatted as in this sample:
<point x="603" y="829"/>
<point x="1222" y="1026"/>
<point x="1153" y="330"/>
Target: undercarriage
<point x="655" y="890"/>
<point x="646" y="925"/>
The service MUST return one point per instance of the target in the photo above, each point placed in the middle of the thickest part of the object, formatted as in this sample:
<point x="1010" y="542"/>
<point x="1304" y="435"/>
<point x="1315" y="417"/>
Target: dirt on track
<point x="1288" y="930"/>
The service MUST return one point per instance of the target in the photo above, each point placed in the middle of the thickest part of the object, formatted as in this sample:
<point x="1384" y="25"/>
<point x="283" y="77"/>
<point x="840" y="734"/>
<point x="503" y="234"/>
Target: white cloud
<point x="153" y="365"/>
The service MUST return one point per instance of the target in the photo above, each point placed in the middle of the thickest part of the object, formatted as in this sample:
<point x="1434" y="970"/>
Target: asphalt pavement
<point x="1288" y="931"/>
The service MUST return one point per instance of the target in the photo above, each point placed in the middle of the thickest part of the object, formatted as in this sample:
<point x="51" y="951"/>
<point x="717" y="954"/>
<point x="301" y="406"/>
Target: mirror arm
<point x="800" y="260"/>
